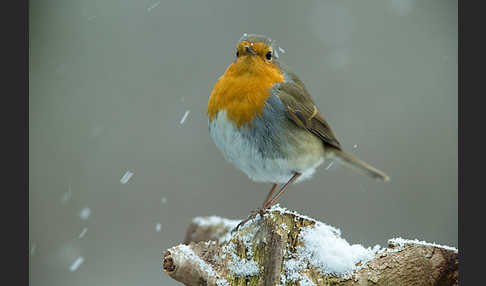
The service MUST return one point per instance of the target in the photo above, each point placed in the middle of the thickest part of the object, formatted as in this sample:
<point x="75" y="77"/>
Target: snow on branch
<point x="287" y="248"/>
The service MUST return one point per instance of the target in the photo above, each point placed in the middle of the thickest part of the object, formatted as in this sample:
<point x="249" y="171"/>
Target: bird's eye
<point x="237" y="53"/>
<point x="269" y="55"/>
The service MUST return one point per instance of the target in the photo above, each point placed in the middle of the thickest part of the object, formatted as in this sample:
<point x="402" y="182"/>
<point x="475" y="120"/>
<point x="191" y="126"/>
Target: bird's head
<point x="255" y="48"/>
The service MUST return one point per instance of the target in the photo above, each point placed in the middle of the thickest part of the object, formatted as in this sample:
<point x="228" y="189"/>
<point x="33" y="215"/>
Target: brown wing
<point x="303" y="112"/>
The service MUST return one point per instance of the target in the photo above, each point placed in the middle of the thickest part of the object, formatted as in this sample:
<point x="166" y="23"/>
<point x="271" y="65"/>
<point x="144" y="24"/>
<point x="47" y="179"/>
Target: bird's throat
<point x="243" y="89"/>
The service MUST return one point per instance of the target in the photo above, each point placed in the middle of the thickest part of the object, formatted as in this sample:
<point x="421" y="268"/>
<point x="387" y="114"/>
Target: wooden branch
<point x="280" y="249"/>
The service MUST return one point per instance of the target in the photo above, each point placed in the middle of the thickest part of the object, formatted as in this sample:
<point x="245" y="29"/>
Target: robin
<point x="264" y="121"/>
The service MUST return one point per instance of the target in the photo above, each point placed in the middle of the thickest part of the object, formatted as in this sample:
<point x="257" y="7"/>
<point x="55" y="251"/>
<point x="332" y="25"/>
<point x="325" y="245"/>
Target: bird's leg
<point x="282" y="190"/>
<point x="268" y="203"/>
<point x="269" y="196"/>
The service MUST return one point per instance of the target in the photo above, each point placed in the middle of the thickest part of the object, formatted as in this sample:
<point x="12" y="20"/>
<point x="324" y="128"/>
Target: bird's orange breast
<point x="243" y="89"/>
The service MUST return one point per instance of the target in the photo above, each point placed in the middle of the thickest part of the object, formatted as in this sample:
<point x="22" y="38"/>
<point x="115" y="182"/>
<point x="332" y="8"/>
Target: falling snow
<point x="76" y="264"/>
<point x="83" y="232"/>
<point x="85" y="213"/>
<point x="184" y="117"/>
<point x="329" y="166"/>
<point x="126" y="177"/>
<point x="153" y="6"/>
<point x="67" y="195"/>
<point x="158" y="227"/>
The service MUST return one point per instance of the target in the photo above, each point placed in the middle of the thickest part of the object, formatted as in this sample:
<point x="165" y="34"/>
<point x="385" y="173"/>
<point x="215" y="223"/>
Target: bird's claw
<point x="260" y="211"/>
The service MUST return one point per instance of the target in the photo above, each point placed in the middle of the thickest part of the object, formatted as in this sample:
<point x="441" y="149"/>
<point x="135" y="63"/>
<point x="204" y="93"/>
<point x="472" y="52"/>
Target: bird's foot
<point x="260" y="211"/>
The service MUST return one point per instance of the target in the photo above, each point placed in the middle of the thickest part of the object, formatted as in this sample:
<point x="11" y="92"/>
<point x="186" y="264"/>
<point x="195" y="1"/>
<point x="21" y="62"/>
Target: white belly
<point x="272" y="155"/>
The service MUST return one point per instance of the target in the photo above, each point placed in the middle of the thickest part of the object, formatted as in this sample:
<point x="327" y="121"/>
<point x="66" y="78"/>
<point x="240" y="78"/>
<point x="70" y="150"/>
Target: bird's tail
<point x="358" y="165"/>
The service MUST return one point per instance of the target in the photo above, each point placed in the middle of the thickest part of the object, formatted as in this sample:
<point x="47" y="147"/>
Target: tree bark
<point x="259" y="253"/>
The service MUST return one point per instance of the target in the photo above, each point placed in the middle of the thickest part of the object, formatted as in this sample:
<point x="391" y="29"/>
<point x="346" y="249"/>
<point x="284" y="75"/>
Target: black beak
<point x="249" y="50"/>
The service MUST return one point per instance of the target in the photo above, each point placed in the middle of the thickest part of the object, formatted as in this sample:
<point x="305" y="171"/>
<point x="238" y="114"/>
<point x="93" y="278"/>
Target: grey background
<point x="111" y="80"/>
